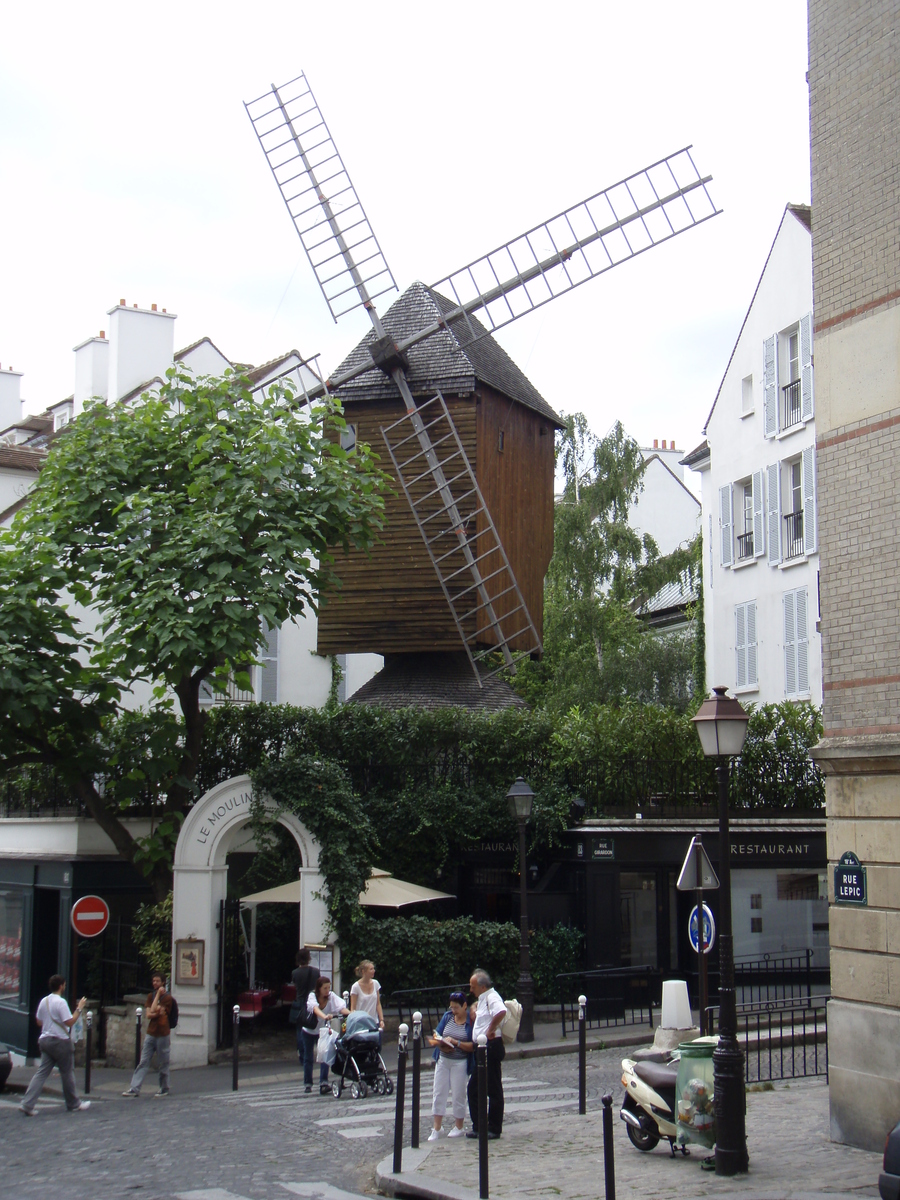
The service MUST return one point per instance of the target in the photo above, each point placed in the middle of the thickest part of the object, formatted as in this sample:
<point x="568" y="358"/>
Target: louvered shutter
<point x="806" y="368"/>
<point x="726" y="523"/>
<point x="268" y="671"/>
<point x="759" y="522"/>
<point x="752" y="671"/>
<point x="710" y="548"/>
<point x="809" y="500"/>
<point x="773" y="511"/>
<point x="740" y="645"/>
<point x="770" y="387"/>
<point x="790" y="645"/>
<point x="802" y="643"/>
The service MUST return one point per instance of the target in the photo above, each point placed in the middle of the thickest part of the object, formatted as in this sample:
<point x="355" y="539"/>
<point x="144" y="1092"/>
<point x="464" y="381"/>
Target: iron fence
<point x="430" y="1002"/>
<point x="782" y="1039"/>
<point x="615" y="996"/>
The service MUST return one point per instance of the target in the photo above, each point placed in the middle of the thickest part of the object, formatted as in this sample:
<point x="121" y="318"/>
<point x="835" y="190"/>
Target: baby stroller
<point x="358" y="1064"/>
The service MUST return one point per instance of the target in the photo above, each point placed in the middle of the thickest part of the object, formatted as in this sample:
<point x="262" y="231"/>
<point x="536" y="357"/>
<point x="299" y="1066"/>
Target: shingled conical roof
<point x="439" y="363"/>
<point x="437" y="680"/>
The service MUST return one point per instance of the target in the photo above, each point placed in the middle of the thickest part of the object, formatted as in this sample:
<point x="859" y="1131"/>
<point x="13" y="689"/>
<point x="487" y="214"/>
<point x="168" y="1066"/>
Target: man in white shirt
<point x="489" y="1016"/>
<point x="56" y="1021"/>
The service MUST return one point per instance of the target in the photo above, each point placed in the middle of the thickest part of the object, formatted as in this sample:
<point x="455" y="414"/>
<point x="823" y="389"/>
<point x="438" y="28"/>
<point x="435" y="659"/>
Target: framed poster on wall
<point x="189" y="962"/>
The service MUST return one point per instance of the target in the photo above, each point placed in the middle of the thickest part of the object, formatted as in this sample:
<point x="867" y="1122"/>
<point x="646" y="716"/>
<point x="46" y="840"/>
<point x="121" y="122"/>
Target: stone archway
<point x="209" y="832"/>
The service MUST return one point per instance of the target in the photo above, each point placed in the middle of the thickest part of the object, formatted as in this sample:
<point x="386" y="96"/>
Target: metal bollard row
<point x="401" y="1094"/>
<point x="88" y="1044"/>
<point x="138" y="1013"/>
<point x="609" y="1165"/>
<point x="416" y="1078"/>
<point x="582" y="1055"/>
<point x="236" y="1037"/>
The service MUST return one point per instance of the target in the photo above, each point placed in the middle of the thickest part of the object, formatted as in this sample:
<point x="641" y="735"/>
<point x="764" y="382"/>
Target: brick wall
<point x="854" y="118"/>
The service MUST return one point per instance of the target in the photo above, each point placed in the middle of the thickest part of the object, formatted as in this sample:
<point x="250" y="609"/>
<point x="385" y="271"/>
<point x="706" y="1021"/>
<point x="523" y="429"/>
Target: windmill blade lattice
<point x="622" y="221"/>
<point x="319" y="195"/>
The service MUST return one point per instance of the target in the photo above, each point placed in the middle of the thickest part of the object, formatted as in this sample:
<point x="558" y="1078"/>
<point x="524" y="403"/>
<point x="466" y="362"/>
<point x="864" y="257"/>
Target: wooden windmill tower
<point x="469" y="534"/>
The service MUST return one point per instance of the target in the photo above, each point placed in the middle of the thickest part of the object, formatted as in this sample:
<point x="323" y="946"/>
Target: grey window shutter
<point x="268" y="671"/>
<point x="806" y="368"/>
<point x="773" y="511"/>
<point x="770" y="387"/>
<point x="725" y="523"/>
<point x="802" y="642"/>
<point x="752" y="674"/>
<point x="809" y="500"/>
<point x="790" y="644"/>
<point x="759" y="521"/>
<point x="740" y="645"/>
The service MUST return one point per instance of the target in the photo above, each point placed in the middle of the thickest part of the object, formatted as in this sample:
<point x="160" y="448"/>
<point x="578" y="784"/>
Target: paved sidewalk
<point x="791" y="1158"/>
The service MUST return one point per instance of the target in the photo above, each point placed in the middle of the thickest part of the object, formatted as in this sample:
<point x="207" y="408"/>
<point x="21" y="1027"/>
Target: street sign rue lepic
<point x="850" y="881"/>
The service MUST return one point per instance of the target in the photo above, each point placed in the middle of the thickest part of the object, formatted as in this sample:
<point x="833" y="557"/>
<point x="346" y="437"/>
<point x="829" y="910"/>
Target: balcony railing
<point x="790" y="404"/>
<point x="793" y="534"/>
<point x="745" y="545"/>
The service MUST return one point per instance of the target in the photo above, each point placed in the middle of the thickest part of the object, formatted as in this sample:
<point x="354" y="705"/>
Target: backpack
<point x="173" y="1013"/>
<point x="509" y="1026"/>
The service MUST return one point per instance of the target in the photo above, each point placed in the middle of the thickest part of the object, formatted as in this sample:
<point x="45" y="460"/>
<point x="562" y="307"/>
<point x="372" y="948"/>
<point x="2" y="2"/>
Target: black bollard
<point x="609" y="1164"/>
<point x="481" y="1067"/>
<point x="416" y="1078"/>
<point x="137" y="1037"/>
<point x="236" y="1037"/>
<point x="582" y="1056"/>
<point x="88" y="1025"/>
<point x="401" y="1096"/>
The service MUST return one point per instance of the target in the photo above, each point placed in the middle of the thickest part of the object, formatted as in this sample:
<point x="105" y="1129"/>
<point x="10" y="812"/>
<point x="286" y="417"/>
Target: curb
<point x="411" y="1183"/>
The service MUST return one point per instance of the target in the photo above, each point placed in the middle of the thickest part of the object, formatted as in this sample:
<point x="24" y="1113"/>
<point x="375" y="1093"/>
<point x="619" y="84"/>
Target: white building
<point x="758" y="465"/>
<point x="120" y="364"/>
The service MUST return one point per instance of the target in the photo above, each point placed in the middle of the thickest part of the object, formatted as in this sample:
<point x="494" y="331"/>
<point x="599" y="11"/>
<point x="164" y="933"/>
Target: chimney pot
<point x="672" y="445"/>
<point x="134" y="306"/>
<point x="164" y="310"/>
<point x="122" y="302"/>
<point x="103" y="333"/>
<point x="656" y="443"/>
<point x="153" y="308"/>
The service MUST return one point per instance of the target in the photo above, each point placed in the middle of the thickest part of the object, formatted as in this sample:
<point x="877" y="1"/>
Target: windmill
<point x="486" y="597"/>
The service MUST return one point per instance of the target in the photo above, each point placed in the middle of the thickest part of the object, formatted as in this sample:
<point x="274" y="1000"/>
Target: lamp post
<point x="520" y="798"/>
<point x="721" y="725"/>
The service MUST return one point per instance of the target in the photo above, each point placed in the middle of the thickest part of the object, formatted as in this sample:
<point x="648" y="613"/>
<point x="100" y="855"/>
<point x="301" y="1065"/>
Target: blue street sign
<point x="850" y="881"/>
<point x="709" y="929"/>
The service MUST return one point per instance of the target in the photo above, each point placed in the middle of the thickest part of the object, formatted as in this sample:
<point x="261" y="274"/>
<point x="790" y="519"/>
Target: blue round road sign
<point x="709" y="929"/>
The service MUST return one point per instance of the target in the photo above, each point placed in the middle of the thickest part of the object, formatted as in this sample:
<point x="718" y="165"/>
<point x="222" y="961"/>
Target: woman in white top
<point x="324" y="1004"/>
<point x="365" y="995"/>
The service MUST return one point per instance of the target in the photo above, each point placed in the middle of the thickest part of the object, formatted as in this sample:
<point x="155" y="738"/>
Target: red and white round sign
<point x="90" y="916"/>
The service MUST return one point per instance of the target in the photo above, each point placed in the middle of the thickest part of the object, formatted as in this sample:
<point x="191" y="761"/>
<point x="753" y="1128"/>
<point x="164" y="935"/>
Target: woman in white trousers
<point x="453" y="1045"/>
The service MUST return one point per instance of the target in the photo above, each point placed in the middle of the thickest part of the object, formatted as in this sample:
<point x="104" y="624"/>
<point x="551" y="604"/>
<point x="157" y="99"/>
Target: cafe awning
<point x="382" y="891"/>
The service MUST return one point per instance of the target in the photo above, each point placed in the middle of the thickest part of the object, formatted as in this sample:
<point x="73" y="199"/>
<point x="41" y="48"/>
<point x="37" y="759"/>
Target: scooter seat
<point x="657" y="1075"/>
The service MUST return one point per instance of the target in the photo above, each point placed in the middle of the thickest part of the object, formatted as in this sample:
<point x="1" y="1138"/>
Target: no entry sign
<point x="90" y="916"/>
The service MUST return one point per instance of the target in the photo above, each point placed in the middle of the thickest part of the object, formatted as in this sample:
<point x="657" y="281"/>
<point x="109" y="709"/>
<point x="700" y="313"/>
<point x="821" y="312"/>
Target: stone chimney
<point x="91" y="370"/>
<point x="10" y="397"/>
<point x="141" y="347"/>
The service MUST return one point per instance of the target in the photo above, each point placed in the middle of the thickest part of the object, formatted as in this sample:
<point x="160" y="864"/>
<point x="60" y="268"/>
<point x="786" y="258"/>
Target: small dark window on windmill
<point x="348" y="437"/>
<point x="500" y="438"/>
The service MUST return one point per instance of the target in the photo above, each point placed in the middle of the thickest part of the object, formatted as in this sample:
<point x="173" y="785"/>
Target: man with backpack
<point x="490" y="1013"/>
<point x="158" y="1011"/>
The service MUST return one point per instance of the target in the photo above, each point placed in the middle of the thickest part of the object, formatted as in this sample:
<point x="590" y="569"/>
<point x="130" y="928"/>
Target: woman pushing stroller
<point x="323" y="1004"/>
<point x="453" y="1055"/>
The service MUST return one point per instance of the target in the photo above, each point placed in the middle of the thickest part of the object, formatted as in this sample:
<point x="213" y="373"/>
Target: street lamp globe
<point x="721" y="725"/>
<point x="520" y="799"/>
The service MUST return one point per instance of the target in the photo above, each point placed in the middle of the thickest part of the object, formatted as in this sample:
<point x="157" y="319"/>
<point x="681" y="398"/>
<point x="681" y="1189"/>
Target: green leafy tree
<point x="157" y="542"/>
<point x="596" y="648"/>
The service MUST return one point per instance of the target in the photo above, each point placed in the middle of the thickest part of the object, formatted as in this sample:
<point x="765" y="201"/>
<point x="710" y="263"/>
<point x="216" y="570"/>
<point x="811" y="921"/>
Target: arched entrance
<point x="210" y="830"/>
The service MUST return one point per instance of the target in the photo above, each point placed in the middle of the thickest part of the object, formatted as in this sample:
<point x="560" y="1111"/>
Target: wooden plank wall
<point x="391" y="600"/>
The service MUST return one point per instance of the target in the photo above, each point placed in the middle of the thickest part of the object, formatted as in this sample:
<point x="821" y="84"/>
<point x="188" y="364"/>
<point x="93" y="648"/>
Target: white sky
<point x="128" y="168"/>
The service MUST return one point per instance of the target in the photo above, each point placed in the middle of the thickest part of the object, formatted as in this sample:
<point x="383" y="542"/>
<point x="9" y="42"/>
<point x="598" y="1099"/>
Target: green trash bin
<point x="695" y="1117"/>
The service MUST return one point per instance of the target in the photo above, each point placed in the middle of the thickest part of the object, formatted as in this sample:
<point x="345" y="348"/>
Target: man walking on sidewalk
<point x="489" y="1016"/>
<point x="56" y="1021"/>
<point x="157" y="1041"/>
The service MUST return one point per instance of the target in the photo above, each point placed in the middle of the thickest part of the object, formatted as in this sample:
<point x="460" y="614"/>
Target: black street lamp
<point x="721" y="724"/>
<point x="520" y="798"/>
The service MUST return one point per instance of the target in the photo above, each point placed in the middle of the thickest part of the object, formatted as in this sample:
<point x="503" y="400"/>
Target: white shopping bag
<point x="325" y="1050"/>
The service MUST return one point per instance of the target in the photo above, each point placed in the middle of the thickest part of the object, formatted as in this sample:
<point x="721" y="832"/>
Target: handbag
<point x="297" y="1008"/>
<point x="310" y="1021"/>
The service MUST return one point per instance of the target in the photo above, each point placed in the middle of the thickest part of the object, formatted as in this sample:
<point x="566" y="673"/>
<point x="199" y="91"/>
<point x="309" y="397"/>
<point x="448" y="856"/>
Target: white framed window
<point x="746" y="395"/>
<point x="348" y="437"/>
<point x="799" y="494"/>
<point x="263" y="679"/>
<point x="787" y="373"/>
<point x="745" y="646"/>
<point x="795" y="606"/>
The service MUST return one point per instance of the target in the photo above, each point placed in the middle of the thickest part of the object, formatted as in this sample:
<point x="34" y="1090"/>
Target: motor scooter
<point x="648" y="1108"/>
